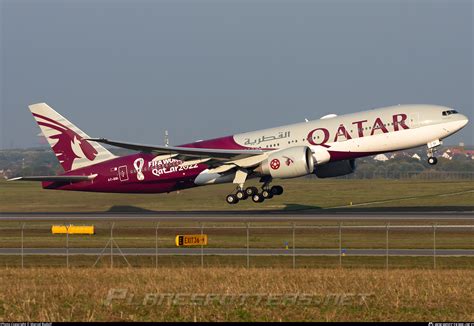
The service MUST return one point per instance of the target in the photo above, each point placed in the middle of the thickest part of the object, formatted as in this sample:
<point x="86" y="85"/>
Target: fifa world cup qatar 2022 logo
<point x="138" y="165"/>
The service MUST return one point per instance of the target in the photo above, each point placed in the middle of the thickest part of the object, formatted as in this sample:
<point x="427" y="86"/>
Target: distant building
<point x="447" y="155"/>
<point x="6" y="174"/>
<point x="416" y="156"/>
<point x="451" y="152"/>
<point x="381" y="158"/>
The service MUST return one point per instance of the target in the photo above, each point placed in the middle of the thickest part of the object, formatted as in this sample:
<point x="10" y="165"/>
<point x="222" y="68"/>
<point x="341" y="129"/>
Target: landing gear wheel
<point x="241" y="195"/>
<point x="432" y="160"/>
<point x="251" y="191"/>
<point x="276" y="190"/>
<point x="231" y="199"/>
<point x="257" y="198"/>
<point x="267" y="194"/>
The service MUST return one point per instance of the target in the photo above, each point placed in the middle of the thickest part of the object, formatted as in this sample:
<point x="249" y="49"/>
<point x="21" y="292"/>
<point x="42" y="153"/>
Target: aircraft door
<point x="123" y="173"/>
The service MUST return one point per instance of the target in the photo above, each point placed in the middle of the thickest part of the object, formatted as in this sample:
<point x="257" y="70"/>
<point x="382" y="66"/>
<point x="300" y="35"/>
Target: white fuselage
<point x="346" y="137"/>
<point x="363" y="133"/>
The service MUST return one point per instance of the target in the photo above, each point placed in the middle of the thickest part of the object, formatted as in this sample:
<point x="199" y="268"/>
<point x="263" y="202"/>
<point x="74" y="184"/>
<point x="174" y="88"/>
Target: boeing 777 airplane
<point x="326" y="147"/>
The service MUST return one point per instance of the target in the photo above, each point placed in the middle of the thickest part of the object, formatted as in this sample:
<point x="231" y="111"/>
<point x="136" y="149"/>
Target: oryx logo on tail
<point x="67" y="141"/>
<point x="68" y="145"/>
<point x="288" y="161"/>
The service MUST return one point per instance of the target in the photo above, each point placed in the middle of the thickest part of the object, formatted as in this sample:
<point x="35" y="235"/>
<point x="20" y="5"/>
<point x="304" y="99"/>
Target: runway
<point x="247" y="216"/>
<point x="235" y="252"/>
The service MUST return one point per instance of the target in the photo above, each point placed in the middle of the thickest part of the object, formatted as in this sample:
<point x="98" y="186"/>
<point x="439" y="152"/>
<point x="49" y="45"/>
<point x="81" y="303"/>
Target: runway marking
<point x="456" y="193"/>
<point x="262" y="217"/>
<point x="404" y="198"/>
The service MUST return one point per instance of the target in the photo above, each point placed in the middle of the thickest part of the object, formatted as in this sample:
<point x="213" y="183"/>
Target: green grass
<point x="301" y="193"/>
<point x="81" y="294"/>
<point x="191" y="262"/>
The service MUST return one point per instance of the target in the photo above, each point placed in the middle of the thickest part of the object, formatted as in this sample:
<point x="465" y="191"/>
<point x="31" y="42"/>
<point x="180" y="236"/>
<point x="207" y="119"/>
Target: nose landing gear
<point x="432" y="147"/>
<point x="432" y="160"/>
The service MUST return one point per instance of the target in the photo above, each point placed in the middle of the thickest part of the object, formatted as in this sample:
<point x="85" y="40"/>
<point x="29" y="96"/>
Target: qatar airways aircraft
<point x="326" y="147"/>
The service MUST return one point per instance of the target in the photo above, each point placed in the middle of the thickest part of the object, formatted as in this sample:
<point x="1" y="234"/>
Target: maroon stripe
<point x="49" y="119"/>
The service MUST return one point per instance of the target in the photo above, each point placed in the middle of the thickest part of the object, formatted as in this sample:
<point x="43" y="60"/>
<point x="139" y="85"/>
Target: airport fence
<point x="153" y="244"/>
<point x="412" y="175"/>
<point x="430" y="175"/>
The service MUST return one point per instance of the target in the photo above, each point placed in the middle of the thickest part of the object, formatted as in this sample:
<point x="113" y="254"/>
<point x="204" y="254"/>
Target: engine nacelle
<point x="335" y="169"/>
<point x="320" y="155"/>
<point x="288" y="163"/>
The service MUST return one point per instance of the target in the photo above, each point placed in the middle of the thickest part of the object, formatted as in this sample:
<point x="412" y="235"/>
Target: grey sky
<point x="128" y="70"/>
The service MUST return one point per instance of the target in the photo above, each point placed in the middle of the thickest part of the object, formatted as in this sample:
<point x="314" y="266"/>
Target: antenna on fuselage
<point x="167" y="140"/>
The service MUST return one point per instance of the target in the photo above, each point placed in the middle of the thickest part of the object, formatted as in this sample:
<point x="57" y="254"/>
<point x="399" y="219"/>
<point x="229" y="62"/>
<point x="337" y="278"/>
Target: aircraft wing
<point x="185" y="152"/>
<point x="56" y="178"/>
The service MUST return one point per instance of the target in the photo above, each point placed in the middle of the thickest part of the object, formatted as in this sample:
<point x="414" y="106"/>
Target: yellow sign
<point x="191" y="240"/>
<point x="72" y="229"/>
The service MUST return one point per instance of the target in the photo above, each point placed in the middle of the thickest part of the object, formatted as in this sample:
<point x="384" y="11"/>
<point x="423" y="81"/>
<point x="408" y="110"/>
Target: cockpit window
<point x="449" y="112"/>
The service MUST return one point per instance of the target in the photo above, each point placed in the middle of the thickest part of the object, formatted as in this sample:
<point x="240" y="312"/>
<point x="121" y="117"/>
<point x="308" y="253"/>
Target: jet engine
<point x="335" y="169"/>
<point x="288" y="163"/>
<point x="320" y="155"/>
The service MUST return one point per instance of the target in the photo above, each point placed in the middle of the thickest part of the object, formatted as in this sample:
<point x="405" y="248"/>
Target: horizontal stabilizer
<point x="56" y="178"/>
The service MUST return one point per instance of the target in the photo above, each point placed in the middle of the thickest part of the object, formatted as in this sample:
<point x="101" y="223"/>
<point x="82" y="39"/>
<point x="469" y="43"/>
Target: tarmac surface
<point x="248" y="216"/>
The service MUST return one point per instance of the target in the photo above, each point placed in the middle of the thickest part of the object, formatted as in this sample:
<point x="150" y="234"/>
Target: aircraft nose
<point x="463" y="120"/>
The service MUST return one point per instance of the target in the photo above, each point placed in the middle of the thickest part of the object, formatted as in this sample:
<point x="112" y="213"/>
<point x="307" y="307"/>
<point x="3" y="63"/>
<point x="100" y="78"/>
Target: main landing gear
<point x="267" y="192"/>
<point x="242" y="193"/>
<point x="432" y="146"/>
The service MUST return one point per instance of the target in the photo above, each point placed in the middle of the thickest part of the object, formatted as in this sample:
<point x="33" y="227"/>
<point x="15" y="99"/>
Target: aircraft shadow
<point x="303" y="209"/>
<point x="129" y="209"/>
<point x="289" y="208"/>
<point x="299" y="207"/>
